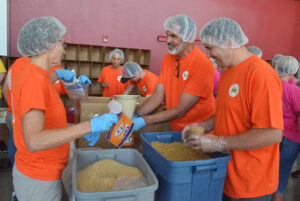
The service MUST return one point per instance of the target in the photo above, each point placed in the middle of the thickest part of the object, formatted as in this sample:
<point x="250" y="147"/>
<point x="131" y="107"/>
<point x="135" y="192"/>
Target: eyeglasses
<point x="64" y="44"/>
<point x="177" y="67"/>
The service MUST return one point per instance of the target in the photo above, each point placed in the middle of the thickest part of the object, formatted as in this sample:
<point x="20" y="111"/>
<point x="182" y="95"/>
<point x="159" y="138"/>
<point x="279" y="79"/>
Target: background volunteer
<point x="2" y="77"/>
<point x="110" y="77"/>
<point x="144" y="79"/>
<point x="255" y="50"/>
<point x="286" y="67"/>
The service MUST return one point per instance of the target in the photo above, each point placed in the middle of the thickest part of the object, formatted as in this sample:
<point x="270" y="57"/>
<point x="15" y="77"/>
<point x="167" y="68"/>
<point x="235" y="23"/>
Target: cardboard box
<point x="99" y="105"/>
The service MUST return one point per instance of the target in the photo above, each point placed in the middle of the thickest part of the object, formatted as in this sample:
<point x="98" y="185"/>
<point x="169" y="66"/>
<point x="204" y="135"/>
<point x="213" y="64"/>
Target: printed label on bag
<point x="120" y="133"/>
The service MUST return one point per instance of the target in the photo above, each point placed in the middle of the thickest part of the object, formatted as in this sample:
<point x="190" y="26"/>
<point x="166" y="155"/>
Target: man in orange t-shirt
<point x="186" y="80"/>
<point x="248" y="121"/>
<point x="144" y="79"/>
<point x="110" y="77"/>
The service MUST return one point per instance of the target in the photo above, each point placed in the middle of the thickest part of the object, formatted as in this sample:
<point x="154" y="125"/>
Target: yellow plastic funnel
<point x="128" y="103"/>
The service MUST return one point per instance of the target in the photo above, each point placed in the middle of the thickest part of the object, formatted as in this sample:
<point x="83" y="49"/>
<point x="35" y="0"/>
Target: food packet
<point x="125" y="183"/>
<point x="76" y="91"/>
<point x="121" y="131"/>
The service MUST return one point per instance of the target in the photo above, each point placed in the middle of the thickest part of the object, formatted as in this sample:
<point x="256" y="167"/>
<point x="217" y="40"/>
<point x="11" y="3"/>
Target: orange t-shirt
<point x="250" y="97"/>
<point x="147" y="84"/>
<point x="58" y="85"/>
<point x="196" y="77"/>
<point x="113" y="78"/>
<point x="32" y="89"/>
<point x="12" y="72"/>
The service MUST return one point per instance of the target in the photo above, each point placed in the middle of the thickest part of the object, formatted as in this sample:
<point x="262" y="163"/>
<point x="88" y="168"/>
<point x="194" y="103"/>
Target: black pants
<point x="263" y="198"/>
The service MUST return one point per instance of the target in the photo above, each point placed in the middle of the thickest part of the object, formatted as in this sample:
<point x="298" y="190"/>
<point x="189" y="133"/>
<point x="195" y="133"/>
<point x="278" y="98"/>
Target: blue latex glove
<point x="92" y="138"/>
<point x="138" y="123"/>
<point x="103" y="122"/>
<point x="66" y="75"/>
<point x="84" y="80"/>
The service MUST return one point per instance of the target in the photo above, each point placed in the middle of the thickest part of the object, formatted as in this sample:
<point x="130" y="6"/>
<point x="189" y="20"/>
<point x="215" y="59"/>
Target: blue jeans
<point x="288" y="153"/>
<point x="11" y="149"/>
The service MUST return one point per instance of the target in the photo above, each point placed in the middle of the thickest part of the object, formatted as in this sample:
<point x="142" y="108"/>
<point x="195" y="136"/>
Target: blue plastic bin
<point x="201" y="180"/>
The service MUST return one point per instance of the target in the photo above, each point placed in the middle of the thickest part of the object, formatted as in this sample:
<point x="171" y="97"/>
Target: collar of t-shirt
<point x="39" y="70"/>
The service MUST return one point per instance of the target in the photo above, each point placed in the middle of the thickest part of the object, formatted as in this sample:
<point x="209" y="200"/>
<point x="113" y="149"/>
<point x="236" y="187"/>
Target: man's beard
<point x="177" y="49"/>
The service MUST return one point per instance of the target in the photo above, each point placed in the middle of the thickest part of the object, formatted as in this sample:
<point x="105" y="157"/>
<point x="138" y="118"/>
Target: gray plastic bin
<point x="130" y="157"/>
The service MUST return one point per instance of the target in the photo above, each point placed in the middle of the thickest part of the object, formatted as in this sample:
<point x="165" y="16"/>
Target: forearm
<point x="102" y="84"/>
<point x="254" y="138"/>
<point x="208" y="124"/>
<point x="128" y="90"/>
<point x="149" y="106"/>
<point x="48" y="139"/>
<point x="53" y="77"/>
<point x="163" y="116"/>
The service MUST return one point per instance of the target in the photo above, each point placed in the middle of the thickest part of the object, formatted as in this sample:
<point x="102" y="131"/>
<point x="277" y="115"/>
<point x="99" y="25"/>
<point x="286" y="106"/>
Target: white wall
<point x="3" y="27"/>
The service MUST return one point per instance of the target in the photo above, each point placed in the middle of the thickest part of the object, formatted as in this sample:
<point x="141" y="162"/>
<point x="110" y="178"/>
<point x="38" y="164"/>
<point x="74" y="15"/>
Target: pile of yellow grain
<point x="176" y="151"/>
<point x="103" y="175"/>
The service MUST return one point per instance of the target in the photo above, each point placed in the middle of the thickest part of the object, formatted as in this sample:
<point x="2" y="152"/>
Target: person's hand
<point x="66" y="75"/>
<point x="84" y="80"/>
<point x="138" y="123"/>
<point x="208" y="143"/>
<point x="104" y="84"/>
<point x="92" y="138"/>
<point x="186" y="133"/>
<point x="103" y="122"/>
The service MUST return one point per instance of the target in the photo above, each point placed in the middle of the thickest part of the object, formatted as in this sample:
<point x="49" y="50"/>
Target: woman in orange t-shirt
<point x="110" y="77"/>
<point x="41" y="133"/>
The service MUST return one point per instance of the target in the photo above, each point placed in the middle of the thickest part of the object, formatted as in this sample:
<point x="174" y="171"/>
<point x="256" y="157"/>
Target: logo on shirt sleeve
<point x="144" y="88"/>
<point x="119" y="78"/>
<point x="234" y="90"/>
<point x="185" y="75"/>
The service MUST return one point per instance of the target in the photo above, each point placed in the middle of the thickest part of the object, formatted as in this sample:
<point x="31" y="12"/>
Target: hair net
<point x="276" y="58"/>
<point x="118" y="52"/>
<point x="131" y="69"/>
<point x="218" y="31"/>
<point x="183" y="26"/>
<point x="255" y="50"/>
<point x="39" y="35"/>
<point x="287" y="65"/>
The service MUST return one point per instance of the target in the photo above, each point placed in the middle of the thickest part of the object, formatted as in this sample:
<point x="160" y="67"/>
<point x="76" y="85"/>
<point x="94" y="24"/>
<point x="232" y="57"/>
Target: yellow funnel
<point x="128" y="103"/>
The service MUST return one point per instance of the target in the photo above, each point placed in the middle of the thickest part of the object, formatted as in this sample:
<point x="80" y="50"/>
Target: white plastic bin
<point x="130" y="157"/>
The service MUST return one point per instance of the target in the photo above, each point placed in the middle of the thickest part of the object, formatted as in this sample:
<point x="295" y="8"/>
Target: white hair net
<point x="131" y="69"/>
<point x="276" y="58"/>
<point x="118" y="52"/>
<point x="39" y="35"/>
<point x="218" y="32"/>
<point x="255" y="50"/>
<point x="183" y="26"/>
<point x="287" y="65"/>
